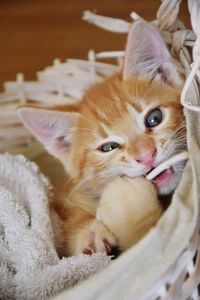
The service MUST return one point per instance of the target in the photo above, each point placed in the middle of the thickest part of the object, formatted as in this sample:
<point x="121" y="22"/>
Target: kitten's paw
<point x="129" y="207"/>
<point x="104" y="245"/>
<point x="96" y="237"/>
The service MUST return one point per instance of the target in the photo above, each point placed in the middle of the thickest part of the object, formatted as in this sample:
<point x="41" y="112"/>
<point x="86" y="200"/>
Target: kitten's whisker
<point x="173" y="148"/>
<point x="176" y="141"/>
<point x="180" y="130"/>
<point x="82" y="128"/>
<point x="147" y="92"/>
<point x="136" y="89"/>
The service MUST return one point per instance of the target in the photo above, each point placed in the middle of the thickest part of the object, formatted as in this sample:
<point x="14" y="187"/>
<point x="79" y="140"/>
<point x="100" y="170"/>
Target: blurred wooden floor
<point x="34" y="32"/>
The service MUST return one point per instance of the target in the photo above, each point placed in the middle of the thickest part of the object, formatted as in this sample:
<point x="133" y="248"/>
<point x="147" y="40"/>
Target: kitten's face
<point x="126" y="128"/>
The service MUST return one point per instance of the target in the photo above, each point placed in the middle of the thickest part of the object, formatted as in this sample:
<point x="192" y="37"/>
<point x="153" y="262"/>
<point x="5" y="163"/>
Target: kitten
<point x="122" y="129"/>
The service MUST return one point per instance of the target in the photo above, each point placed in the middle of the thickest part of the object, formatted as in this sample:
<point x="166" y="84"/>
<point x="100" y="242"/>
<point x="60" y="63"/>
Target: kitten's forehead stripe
<point x="97" y="116"/>
<point x="134" y="112"/>
<point x="82" y="163"/>
<point x="102" y="133"/>
<point x="137" y="106"/>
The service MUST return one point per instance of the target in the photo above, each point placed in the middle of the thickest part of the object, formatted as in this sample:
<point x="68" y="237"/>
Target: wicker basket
<point x="65" y="83"/>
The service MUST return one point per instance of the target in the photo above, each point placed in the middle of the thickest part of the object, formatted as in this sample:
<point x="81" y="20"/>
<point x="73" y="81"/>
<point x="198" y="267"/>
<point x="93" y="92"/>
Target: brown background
<point x="34" y="32"/>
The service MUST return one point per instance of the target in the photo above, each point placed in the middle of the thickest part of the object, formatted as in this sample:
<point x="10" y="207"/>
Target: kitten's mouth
<point x="163" y="173"/>
<point x="167" y="175"/>
<point x="163" y="178"/>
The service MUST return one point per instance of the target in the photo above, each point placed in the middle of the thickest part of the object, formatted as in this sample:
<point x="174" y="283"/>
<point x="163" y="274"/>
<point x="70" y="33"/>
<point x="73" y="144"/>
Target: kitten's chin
<point x="168" y="181"/>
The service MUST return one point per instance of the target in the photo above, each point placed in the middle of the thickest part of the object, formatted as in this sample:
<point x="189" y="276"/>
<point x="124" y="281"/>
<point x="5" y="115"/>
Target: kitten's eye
<point x="108" y="147"/>
<point x="154" y="118"/>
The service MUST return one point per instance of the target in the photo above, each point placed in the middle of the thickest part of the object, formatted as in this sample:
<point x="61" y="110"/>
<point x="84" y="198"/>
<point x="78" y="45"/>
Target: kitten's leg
<point x="95" y="237"/>
<point x="129" y="207"/>
<point x="82" y="232"/>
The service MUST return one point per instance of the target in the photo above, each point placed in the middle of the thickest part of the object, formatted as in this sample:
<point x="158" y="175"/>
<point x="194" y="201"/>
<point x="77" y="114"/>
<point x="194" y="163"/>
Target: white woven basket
<point x="65" y="83"/>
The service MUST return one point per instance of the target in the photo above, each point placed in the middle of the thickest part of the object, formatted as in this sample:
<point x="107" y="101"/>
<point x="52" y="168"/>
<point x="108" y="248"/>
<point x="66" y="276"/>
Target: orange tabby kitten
<point x="123" y="128"/>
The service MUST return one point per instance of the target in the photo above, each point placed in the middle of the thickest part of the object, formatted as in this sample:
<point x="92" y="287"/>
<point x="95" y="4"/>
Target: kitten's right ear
<point x="147" y="55"/>
<point x="52" y="128"/>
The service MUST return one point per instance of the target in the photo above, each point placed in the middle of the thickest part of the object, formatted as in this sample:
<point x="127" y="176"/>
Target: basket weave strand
<point x="66" y="82"/>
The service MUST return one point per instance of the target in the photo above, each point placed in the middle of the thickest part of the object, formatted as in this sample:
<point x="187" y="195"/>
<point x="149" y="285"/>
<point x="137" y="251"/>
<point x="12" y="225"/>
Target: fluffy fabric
<point x="29" y="265"/>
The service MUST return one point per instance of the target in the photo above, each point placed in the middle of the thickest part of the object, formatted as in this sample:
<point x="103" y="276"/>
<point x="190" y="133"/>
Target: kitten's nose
<point x="147" y="157"/>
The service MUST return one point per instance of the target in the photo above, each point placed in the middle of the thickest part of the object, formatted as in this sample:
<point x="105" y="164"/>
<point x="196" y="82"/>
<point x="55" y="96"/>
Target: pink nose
<point x="147" y="157"/>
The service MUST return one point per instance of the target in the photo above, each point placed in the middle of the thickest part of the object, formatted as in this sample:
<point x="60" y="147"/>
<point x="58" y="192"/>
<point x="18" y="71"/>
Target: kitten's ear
<point x="52" y="128"/>
<point x="146" y="55"/>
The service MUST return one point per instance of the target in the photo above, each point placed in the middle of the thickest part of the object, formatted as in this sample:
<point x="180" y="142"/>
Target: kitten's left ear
<point x="147" y="55"/>
<point x="52" y="128"/>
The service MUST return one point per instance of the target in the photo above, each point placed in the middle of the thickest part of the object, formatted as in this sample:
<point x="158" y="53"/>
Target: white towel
<point x="29" y="265"/>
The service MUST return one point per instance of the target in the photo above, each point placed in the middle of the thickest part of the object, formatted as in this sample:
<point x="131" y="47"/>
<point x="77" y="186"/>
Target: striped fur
<point x="111" y="185"/>
<point x="114" y="111"/>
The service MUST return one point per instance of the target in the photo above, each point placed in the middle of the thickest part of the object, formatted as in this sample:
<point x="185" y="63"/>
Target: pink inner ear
<point x="38" y="123"/>
<point x="61" y="145"/>
<point x="40" y="129"/>
<point x="53" y="129"/>
<point x="145" y="49"/>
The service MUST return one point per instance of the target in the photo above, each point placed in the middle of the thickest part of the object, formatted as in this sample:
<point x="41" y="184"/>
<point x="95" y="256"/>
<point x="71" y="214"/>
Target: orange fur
<point x="114" y="109"/>
<point x="112" y="113"/>
<point x="112" y="184"/>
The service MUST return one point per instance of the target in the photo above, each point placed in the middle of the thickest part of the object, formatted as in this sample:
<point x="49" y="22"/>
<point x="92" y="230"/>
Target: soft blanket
<point x="29" y="265"/>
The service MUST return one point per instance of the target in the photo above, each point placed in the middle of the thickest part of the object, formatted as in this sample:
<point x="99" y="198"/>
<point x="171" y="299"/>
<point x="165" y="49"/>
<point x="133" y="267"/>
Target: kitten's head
<point x="124" y="126"/>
